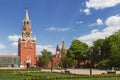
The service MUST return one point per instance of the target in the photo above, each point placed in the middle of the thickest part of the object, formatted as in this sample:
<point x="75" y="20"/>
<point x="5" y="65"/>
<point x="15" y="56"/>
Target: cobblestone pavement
<point x="73" y="71"/>
<point x="81" y="71"/>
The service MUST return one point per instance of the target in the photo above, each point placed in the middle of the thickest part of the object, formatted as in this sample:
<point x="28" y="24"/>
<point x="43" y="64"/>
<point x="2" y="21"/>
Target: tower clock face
<point x="28" y="33"/>
<point x="57" y="52"/>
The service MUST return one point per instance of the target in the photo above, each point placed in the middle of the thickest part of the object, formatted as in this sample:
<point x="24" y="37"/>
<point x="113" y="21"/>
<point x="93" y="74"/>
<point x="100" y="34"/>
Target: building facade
<point x="56" y="59"/>
<point x="27" y="44"/>
<point x="9" y="61"/>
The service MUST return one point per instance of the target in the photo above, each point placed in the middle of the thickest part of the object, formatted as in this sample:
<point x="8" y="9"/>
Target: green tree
<point x="77" y="52"/>
<point x="46" y="57"/>
<point x="105" y="51"/>
<point x="40" y="61"/>
<point x="101" y="51"/>
<point x="110" y="51"/>
<point x="115" y="49"/>
<point x="64" y="60"/>
<point x="97" y="51"/>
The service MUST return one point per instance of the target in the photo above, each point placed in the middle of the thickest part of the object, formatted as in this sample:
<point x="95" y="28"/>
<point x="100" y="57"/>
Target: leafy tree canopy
<point x="77" y="51"/>
<point x="46" y="56"/>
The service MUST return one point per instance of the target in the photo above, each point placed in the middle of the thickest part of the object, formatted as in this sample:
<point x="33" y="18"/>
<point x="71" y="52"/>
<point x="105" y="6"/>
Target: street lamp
<point x="99" y="52"/>
<point x="65" y="67"/>
<point x="90" y="52"/>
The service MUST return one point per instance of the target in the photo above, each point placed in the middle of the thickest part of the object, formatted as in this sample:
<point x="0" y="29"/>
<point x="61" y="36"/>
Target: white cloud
<point x="47" y="47"/>
<point x="81" y="10"/>
<point x="15" y="44"/>
<point x="113" y="25"/>
<point x="98" y="22"/>
<point x="101" y="4"/>
<point x="113" y="21"/>
<point x="79" y="22"/>
<point x="93" y="24"/>
<point x="14" y="37"/>
<point x="57" y="29"/>
<point x="2" y="46"/>
<point x="87" y="11"/>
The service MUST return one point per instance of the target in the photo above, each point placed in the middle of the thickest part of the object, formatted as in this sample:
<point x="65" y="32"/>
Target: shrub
<point x="103" y="64"/>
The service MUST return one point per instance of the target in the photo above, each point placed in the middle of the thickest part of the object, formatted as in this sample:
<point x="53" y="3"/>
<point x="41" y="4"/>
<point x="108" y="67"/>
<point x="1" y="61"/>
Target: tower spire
<point x="57" y="48"/>
<point x="63" y="49"/>
<point x="26" y="16"/>
<point x="27" y="31"/>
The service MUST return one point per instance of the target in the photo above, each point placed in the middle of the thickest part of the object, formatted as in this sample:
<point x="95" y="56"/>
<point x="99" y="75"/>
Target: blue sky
<point x="54" y="20"/>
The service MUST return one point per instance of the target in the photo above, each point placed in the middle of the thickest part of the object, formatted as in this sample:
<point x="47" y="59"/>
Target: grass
<point x="32" y="75"/>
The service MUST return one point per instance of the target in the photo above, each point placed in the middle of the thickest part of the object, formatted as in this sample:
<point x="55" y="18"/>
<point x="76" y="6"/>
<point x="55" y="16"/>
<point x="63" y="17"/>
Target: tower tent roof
<point x="26" y="16"/>
<point x="63" y="45"/>
<point x="57" y="48"/>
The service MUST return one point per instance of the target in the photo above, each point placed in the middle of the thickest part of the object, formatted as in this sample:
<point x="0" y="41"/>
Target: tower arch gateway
<point x="27" y="44"/>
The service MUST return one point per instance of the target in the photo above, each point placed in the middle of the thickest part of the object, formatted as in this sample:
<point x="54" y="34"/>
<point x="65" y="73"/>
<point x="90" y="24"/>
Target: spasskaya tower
<point x="27" y="44"/>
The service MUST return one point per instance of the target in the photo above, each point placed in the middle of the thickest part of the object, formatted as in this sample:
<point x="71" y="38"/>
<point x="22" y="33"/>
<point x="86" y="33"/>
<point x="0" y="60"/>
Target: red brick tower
<point x="27" y="45"/>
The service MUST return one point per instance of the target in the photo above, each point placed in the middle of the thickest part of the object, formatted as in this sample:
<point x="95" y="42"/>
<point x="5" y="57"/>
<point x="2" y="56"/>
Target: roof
<point x="26" y="16"/>
<point x="12" y="56"/>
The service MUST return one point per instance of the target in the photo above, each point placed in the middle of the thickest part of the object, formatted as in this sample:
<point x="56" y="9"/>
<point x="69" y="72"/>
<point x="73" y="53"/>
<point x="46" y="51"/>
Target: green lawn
<point x="27" y="75"/>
